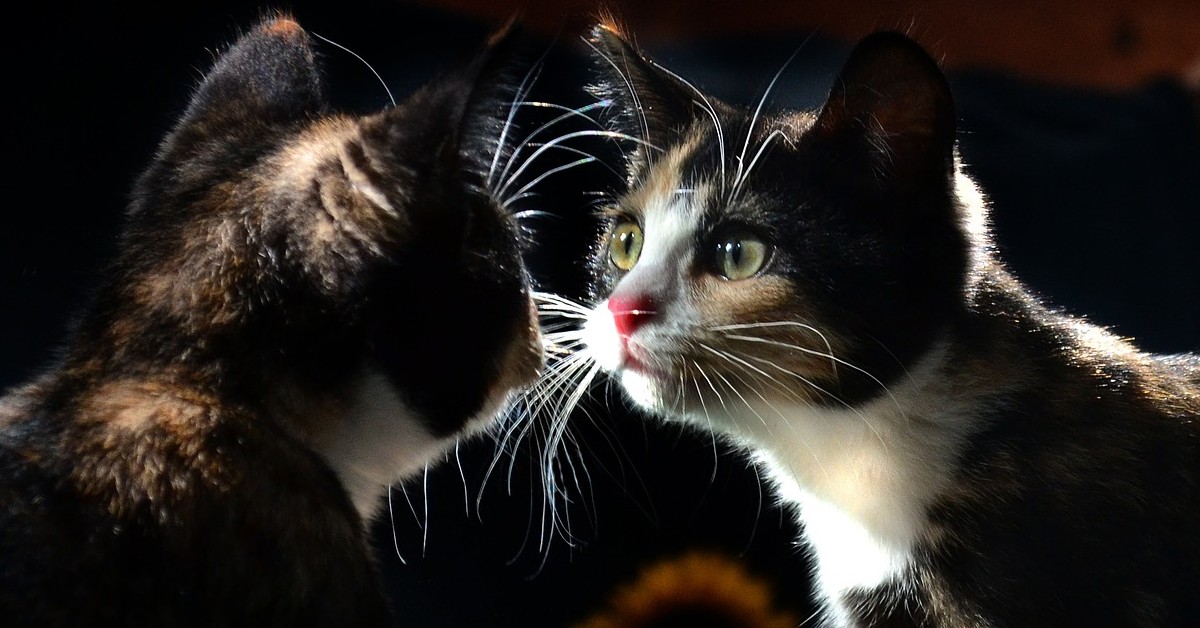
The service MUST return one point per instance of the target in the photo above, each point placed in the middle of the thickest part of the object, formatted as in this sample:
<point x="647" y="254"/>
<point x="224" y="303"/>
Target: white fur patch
<point x="379" y="440"/>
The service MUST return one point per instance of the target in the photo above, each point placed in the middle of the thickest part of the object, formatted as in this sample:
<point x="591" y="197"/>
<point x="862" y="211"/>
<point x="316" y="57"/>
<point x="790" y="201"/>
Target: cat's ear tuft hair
<point x="892" y="90"/>
<point x="489" y="98"/>
<point x="270" y="73"/>
<point x="650" y="104"/>
<point x="456" y="122"/>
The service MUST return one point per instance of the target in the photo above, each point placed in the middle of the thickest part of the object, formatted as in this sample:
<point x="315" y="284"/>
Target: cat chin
<point x="643" y="391"/>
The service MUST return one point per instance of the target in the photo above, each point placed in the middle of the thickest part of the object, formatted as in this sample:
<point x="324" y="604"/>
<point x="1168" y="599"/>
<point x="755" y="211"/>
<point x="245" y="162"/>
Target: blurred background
<point x="1081" y="124"/>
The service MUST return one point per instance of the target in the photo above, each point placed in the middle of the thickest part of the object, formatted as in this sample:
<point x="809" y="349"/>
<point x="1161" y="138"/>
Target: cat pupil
<point x="740" y="258"/>
<point x="626" y="245"/>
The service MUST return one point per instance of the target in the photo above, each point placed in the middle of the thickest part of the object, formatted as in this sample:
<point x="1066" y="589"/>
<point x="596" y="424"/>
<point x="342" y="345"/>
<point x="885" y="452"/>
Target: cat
<point x="821" y="289"/>
<point x="305" y="306"/>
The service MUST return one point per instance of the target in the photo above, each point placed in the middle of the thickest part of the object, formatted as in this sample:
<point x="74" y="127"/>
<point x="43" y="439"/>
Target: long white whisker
<point x="819" y="354"/>
<point x="778" y="384"/>
<point x="532" y="134"/>
<point x="538" y="179"/>
<point x="364" y="62"/>
<point x="462" y="474"/>
<point x="568" y="112"/>
<point x="782" y="416"/>
<point x="425" y="497"/>
<point x="737" y="185"/>
<point x="734" y="388"/>
<point x="708" y="420"/>
<point x="741" y="326"/>
<point x="558" y="140"/>
<point x="707" y="105"/>
<point x="392" y="518"/>
<point x="758" y="109"/>
<point x="637" y="102"/>
<point x="522" y="92"/>
<point x="821" y="390"/>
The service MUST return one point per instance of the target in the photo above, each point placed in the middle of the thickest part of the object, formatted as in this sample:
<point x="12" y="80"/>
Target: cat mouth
<point x="636" y="358"/>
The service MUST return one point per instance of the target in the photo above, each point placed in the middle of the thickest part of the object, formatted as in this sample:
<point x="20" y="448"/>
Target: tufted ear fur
<point x="269" y="73"/>
<point x="651" y="104"/>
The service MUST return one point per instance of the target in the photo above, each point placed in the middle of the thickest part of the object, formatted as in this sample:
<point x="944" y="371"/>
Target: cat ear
<point x="892" y="93"/>
<point x="268" y="75"/>
<point x="651" y="104"/>
<point x="487" y="100"/>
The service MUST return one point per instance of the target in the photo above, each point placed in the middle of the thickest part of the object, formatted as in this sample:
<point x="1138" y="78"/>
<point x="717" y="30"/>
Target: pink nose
<point x="630" y="313"/>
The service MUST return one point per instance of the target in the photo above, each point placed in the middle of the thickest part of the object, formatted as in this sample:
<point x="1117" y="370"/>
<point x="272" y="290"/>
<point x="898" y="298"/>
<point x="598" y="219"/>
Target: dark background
<point x="1096" y="198"/>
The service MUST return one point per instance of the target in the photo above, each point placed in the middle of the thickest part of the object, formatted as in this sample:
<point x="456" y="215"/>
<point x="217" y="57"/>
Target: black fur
<point x="169" y="470"/>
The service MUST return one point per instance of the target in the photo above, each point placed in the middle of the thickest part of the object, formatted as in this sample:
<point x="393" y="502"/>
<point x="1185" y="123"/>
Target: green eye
<point x="625" y="245"/>
<point x="740" y="257"/>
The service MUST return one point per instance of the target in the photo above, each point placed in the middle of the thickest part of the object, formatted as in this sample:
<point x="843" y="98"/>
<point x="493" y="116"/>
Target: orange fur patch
<point x="699" y="583"/>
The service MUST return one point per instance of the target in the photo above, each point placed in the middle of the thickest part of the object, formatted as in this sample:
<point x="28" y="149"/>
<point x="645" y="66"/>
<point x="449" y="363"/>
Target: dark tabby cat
<point x="821" y="287"/>
<point x="305" y="307"/>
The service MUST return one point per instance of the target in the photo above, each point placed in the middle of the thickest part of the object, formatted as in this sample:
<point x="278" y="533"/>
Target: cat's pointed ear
<point x="455" y="124"/>
<point x="651" y="104"/>
<point x="488" y="101"/>
<point x="268" y="75"/>
<point x="892" y="93"/>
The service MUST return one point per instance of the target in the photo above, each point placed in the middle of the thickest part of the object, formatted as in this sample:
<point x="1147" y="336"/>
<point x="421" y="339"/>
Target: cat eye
<point x="625" y="245"/>
<point x="740" y="256"/>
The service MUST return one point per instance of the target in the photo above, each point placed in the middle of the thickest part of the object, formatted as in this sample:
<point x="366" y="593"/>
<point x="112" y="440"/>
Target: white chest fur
<point x="377" y="441"/>
<point x="862" y="478"/>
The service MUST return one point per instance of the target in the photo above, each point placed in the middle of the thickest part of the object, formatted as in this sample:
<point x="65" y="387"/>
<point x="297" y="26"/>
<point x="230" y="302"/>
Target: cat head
<point x="275" y="245"/>
<point x="798" y="256"/>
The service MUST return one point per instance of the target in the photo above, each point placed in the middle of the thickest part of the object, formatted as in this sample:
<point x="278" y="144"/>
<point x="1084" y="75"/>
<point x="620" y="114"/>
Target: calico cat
<point x="305" y="306"/>
<point x="821" y="288"/>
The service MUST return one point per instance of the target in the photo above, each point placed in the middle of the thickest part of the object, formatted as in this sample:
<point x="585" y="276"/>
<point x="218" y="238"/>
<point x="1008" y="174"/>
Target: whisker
<point x="758" y="109"/>
<point x="734" y="388"/>
<point x="522" y="91"/>
<point x="737" y="186"/>
<point x="821" y="390"/>
<point x="507" y="182"/>
<point x="579" y="111"/>
<point x="392" y="518"/>
<point x="708" y="420"/>
<point x="707" y="105"/>
<point x="768" y="404"/>
<point x="364" y="62"/>
<point x="852" y="366"/>
<point x="462" y="474"/>
<point x="742" y="326"/>
<point x="538" y="179"/>
<point x="624" y="74"/>
<point x="534" y="213"/>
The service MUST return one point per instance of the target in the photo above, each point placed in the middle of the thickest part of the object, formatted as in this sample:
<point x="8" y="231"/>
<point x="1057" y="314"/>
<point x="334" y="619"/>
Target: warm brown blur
<point x="1103" y="43"/>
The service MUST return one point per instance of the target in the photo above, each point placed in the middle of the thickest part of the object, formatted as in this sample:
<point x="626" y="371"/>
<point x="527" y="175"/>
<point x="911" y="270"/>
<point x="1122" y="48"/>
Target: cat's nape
<point x="821" y="287"/>
<point x="305" y="306"/>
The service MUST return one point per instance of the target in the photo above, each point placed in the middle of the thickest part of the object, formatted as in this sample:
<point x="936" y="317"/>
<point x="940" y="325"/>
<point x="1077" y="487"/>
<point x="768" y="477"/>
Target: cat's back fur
<point x="305" y="306"/>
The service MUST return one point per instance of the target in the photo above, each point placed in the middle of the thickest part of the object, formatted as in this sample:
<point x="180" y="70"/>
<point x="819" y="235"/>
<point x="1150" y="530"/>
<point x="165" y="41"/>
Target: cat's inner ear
<point x="651" y="104"/>
<point x="269" y="74"/>
<point x="892" y="91"/>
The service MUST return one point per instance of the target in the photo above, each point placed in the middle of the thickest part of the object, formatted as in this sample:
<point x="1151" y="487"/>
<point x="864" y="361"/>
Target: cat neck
<point x="863" y="477"/>
<point x="368" y="435"/>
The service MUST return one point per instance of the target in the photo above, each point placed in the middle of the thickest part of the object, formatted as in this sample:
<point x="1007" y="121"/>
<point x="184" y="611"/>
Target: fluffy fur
<point x="960" y="453"/>
<point x="305" y="306"/>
